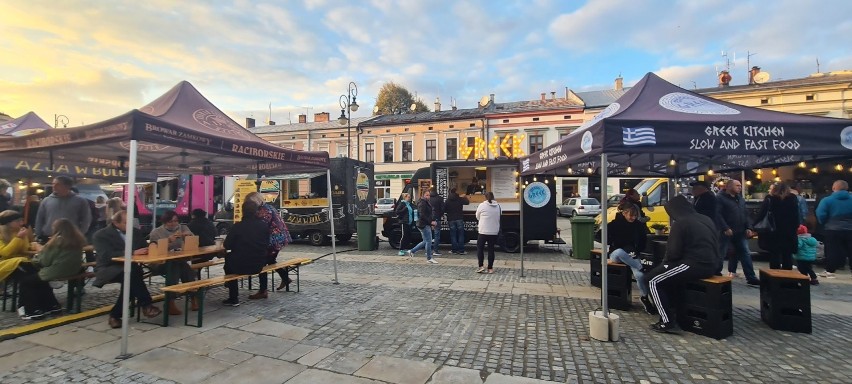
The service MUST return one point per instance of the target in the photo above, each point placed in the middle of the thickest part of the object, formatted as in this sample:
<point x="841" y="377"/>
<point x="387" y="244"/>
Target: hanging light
<point x="838" y="167"/>
<point x="547" y="181"/>
<point x="710" y="170"/>
<point x="629" y="168"/>
<point x="590" y="170"/>
<point x="748" y="182"/>
<point x="802" y="164"/>
<point x="774" y="171"/>
<point x="777" y="178"/>
<point x="570" y="170"/>
<point x="814" y="170"/>
<point x="672" y="161"/>
<point x="516" y="173"/>
<point x="535" y="178"/>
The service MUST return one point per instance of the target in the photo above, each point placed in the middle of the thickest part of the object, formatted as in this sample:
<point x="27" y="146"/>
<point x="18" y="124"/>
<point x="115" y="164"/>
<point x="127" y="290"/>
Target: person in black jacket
<point x="406" y="213"/>
<point x="704" y="200"/>
<point x="454" y="208"/>
<point x="781" y="243"/>
<point x="425" y="223"/>
<point x="437" y="203"/>
<point x="626" y="240"/>
<point x="692" y="253"/>
<point x="202" y="227"/>
<point x="735" y="230"/>
<point x="246" y="243"/>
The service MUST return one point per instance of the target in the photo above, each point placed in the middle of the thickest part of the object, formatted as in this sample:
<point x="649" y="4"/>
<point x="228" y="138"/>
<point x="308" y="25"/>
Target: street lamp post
<point x="60" y="119"/>
<point x="347" y="106"/>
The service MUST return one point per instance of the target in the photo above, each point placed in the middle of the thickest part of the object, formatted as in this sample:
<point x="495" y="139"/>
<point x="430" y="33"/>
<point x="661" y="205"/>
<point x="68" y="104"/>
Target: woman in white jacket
<point x="488" y="214"/>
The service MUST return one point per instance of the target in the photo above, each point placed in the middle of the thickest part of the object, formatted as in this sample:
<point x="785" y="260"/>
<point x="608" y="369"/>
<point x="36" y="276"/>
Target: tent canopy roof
<point x="180" y="132"/>
<point x="27" y="124"/>
<point x="656" y="121"/>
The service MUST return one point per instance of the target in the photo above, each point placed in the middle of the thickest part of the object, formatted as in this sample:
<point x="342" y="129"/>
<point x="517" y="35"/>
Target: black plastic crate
<point x="708" y="295"/>
<point x="715" y="323"/>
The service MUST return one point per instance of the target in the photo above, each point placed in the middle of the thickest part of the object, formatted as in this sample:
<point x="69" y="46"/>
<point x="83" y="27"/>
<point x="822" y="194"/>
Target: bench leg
<point x="69" y="300"/>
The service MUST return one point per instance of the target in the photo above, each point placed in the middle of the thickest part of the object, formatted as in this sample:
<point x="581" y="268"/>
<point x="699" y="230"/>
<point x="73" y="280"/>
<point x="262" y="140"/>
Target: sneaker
<point x="648" y="305"/>
<point x="34" y="315"/>
<point x="827" y="275"/>
<point x="660" y="326"/>
<point x="21" y="311"/>
<point x="231" y="302"/>
<point x="436" y="253"/>
<point x="401" y="253"/>
<point x="480" y="270"/>
<point x="56" y="309"/>
<point x="410" y="254"/>
<point x="258" y="295"/>
<point x="432" y="261"/>
<point x="814" y="282"/>
<point x="733" y="274"/>
<point x="753" y="282"/>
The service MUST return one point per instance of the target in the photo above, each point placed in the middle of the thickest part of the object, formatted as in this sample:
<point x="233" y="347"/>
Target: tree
<point x="395" y="99"/>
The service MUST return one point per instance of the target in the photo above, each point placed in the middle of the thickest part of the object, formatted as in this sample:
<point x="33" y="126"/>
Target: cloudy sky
<point x="91" y="60"/>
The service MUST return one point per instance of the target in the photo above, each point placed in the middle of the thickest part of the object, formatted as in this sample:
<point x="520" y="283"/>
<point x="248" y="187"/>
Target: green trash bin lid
<point x="365" y="218"/>
<point x="582" y="219"/>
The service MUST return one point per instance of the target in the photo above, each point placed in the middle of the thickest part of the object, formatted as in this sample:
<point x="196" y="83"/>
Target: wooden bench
<point x="75" y="283"/>
<point x="197" y="267"/>
<point x="785" y="300"/>
<point x="199" y="287"/>
<point x="706" y="307"/>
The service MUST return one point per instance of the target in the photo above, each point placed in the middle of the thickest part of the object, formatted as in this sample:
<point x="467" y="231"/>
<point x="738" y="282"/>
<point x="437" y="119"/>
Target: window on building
<point x="369" y="152"/>
<point x="388" y="152"/>
<point x="809" y="97"/>
<point x="431" y="150"/>
<point x="406" y="151"/>
<point x="452" y="149"/>
<point x="562" y="135"/>
<point x="343" y="150"/>
<point x="764" y="100"/>
<point x="536" y="143"/>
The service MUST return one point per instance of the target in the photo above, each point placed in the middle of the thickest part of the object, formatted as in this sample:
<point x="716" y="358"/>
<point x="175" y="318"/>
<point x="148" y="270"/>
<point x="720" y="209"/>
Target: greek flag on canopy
<point x="638" y="136"/>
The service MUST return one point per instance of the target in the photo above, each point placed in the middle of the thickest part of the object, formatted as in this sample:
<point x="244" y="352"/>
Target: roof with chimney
<point x="814" y="79"/>
<point x="602" y="98"/>
<point x="314" y="126"/>
<point x="425" y="117"/>
<point x="533" y="105"/>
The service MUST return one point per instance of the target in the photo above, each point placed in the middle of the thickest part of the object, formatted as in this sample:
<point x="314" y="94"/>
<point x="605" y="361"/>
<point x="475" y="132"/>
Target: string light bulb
<point x="547" y="181"/>
<point x="774" y="171"/>
<point x="748" y="182"/>
<point x="590" y="170"/>
<point x="838" y="167"/>
<point x="629" y="168"/>
<point x="777" y="178"/>
<point x="814" y="170"/>
<point x="570" y="170"/>
<point x="535" y="178"/>
<point x="710" y="171"/>
<point x="672" y="161"/>
<point x="802" y="164"/>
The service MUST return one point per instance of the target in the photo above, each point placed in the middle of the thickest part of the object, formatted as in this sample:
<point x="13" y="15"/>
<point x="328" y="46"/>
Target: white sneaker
<point x="827" y="275"/>
<point x="410" y="255"/>
<point x="432" y="261"/>
<point x="436" y="253"/>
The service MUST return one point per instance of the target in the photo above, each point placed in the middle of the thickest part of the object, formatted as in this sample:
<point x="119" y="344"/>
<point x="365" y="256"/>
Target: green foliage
<point x="395" y="99"/>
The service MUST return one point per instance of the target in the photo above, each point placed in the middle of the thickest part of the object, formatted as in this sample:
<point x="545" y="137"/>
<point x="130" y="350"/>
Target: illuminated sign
<point x="509" y="146"/>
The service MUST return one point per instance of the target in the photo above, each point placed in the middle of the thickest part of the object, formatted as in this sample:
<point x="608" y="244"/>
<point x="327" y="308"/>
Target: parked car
<point x="384" y="205"/>
<point x="580" y="206"/>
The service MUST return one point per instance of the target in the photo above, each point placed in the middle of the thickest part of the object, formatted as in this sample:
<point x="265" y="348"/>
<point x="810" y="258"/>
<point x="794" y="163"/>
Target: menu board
<point x="241" y="189"/>
<point x="502" y="180"/>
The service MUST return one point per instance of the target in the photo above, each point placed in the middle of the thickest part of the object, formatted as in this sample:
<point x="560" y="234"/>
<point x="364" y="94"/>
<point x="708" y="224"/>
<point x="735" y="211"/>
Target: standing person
<point x="248" y="243"/>
<point x="425" y="223"/>
<point x="803" y="205"/>
<point x="704" y="200"/>
<point x="5" y="197"/>
<point x="736" y="230"/>
<point x="63" y="203"/>
<point x="202" y="227"/>
<point x="806" y="254"/>
<point x="488" y="213"/>
<point x="406" y="213"/>
<point x="31" y="210"/>
<point x="437" y="202"/>
<point x="174" y="231"/>
<point x="692" y="253"/>
<point x="627" y="238"/>
<point x="14" y="242"/>
<point x="278" y="237"/>
<point x="834" y="212"/>
<point x="60" y="257"/>
<point x="100" y="205"/>
<point x="781" y="242"/>
<point x="109" y="242"/>
<point x="454" y="208"/>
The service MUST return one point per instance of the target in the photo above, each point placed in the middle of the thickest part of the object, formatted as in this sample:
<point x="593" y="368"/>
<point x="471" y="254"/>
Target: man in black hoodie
<point x="454" y="208"/>
<point x="692" y="252"/>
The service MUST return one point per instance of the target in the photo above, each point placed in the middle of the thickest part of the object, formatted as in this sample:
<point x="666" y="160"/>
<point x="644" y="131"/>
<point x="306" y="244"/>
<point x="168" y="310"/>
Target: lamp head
<point x="342" y="119"/>
<point x="354" y="106"/>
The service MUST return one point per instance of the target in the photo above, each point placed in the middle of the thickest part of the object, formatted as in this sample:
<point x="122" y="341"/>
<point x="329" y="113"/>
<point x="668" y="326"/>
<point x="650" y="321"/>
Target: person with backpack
<point x="425" y="223"/>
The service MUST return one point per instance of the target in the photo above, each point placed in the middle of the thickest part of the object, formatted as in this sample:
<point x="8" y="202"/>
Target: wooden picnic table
<point x="171" y="272"/>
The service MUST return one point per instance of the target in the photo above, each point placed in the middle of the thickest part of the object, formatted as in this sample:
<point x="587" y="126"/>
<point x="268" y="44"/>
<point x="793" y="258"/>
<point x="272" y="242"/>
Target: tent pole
<point x="154" y="207"/>
<point x="521" y="209"/>
<point x="331" y="223"/>
<point x="604" y="248"/>
<point x="128" y="251"/>
<point x="207" y="196"/>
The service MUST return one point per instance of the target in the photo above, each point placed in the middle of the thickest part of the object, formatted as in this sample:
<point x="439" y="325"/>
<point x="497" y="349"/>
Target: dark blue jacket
<point x="835" y="211"/>
<point x="732" y="213"/>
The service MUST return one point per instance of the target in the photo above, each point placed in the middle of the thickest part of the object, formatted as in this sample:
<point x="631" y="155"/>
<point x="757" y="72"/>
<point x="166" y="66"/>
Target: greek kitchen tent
<point x="179" y="132"/>
<point x="24" y="125"/>
<point x="659" y="129"/>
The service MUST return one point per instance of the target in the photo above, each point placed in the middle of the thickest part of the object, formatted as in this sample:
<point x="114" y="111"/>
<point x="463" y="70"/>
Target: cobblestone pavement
<point x="394" y="320"/>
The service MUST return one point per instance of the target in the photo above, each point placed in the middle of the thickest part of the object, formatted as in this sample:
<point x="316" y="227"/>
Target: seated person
<point x="60" y="257"/>
<point x="173" y="230"/>
<point x="202" y="227"/>
<point x="247" y="242"/>
<point x="109" y="243"/>
<point x="15" y="241"/>
<point x="626" y="239"/>
<point x="692" y="252"/>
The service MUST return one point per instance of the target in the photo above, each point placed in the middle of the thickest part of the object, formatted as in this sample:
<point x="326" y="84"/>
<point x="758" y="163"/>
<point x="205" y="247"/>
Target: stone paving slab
<point x="263" y="345"/>
<point x="344" y="362"/>
<point x="172" y="364"/>
<point x="139" y="343"/>
<point x="257" y="370"/>
<point x="69" y="338"/>
<point x="397" y="370"/>
<point x="212" y="341"/>
<point x="314" y="376"/>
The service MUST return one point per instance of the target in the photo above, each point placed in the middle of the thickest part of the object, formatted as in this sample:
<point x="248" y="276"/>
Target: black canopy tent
<point x="179" y="132"/>
<point x="659" y="129"/>
<point x="27" y="124"/>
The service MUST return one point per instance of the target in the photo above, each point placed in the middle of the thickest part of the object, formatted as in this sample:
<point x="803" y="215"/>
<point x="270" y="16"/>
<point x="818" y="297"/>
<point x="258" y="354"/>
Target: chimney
<point x="492" y="99"/>
<point x="543" y="96"/>
<point x="249" y="122"/>
<point x="321" y="117"/>
<point x="724" y="79"/>
<point x="271" y="122"/>
<point x="754" y="70"/>
<point x="303" y="118"/>
<point x="619" y="83"/>
<point x="553" y="95"/>
<point x="566" y="93"/>
<point x="437" y="104"/>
